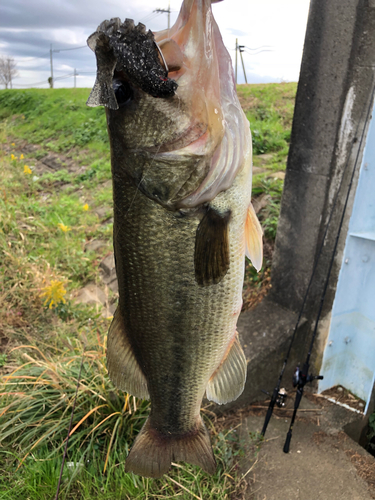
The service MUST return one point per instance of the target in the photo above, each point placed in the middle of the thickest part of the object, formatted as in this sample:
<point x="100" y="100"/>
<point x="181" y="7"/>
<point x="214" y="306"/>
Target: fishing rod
<point x="301" y="376"/>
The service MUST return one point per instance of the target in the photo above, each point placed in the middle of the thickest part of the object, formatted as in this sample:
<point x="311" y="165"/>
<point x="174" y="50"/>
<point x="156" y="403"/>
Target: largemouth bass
<point x="181" y="166"/>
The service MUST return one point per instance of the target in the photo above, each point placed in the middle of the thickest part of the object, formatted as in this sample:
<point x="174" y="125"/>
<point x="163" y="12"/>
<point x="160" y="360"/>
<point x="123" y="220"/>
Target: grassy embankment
<point x="46" y="218"/>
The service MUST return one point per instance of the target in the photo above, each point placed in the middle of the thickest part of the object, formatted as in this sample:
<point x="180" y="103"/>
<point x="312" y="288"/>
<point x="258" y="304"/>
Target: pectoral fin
<point x="253" y="237"/>
<point x="228" y="381"/>
<point x="123" y="368"/>
<point x="211" y="256"/>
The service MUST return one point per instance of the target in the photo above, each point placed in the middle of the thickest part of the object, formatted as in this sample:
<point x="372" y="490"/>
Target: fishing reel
<point x="280" y="397"/>
<point x="300" y="378"/>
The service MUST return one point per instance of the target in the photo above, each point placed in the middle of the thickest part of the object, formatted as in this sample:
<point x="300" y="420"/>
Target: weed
<point x="269" y="109"/>
<point x="42" y="250"/>
<point x="62" y="114"/>
<point x="34" y="416"/>
<point x="269" y="215"/>
<point x="54" y="294"/>
<point x="86" y="176"/>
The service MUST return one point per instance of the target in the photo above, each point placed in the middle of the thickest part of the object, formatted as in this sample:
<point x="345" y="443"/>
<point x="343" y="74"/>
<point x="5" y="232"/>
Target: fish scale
<point x="171" y="306"/>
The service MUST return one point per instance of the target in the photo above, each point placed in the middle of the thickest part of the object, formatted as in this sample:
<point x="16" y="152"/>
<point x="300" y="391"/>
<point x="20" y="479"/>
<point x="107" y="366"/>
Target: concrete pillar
<point x="334" y="93"/>
<point x="333" y="96"/>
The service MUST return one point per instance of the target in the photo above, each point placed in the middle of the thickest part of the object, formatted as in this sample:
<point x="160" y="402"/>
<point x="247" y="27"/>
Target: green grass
<point x="59" y="119"/>
<point x="44" y="228"/>
<point x="36" y="406"/>
<point x="269" y="108"/>
<point x="269" y="217"/>
<point x="31" y="223"/>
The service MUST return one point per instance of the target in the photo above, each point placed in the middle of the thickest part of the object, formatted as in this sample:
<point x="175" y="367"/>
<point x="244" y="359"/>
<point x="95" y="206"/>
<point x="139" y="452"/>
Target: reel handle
<point x="270" y="410"/>
<point x="287" y="442"/>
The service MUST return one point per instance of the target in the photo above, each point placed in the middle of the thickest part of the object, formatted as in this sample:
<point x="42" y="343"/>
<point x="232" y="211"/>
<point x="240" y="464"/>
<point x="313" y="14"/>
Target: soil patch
<point x="365" y="467"/>
<point x="343" y="396"/>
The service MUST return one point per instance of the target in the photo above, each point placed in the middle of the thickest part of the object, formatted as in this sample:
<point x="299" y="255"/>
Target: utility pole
<point x="241" y="49"/>
<point x="235" y="72"/>
<point x="50" y="55"/>
<point x="168" y="11"/>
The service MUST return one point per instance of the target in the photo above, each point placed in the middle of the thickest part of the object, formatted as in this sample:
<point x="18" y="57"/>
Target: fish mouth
<point x="177" y="65"/>
<point x="202" y="64"/>
<point x="195" y="55"/>
<point x="128" y="49"/>
<point x="189" y="55"/>
<point x="178" y="101"/>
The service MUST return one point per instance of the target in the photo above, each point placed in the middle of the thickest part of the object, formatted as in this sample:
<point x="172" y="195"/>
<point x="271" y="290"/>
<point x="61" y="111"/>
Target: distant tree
<point x="8" y="71"/>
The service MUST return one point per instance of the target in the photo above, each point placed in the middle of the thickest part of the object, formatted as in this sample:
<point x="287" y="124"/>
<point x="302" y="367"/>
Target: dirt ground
<point x="323" y="462"/>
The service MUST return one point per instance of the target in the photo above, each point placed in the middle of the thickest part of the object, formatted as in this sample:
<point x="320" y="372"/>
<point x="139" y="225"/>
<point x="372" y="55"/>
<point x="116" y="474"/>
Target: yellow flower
<point x="85" y="207"/>
<point x="12" y="157"/>
<point x="13" y="144"/>
<point x="22" y="157"/>
<point x="63" y="227"/>
<point x="27" y="170"/>
<point x="23" y="117"/>
<point x="54" y="293"/>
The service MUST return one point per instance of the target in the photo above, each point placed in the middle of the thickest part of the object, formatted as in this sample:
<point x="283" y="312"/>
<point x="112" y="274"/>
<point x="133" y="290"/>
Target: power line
<point x="261" y="47"/>
<point x="32" y="68"/>
<point x="64" y="76"/>
<point x="259" y="52"/>
<point x="72" y="48"/>
<point x="32" y="58"/>
<point x="27" y="64"/>
<point x="150" y="17"/>
<point x="30" y="84"/>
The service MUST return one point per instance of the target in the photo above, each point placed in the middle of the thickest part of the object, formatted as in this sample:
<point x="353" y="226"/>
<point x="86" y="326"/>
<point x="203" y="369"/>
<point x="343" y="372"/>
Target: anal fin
<point x="228" y="381"/>
<point x="123" y="368"/>
<point x="253" y="237"/>
<point x="211" y="257"/>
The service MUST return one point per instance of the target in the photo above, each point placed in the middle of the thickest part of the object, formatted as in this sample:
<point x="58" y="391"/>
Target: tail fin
<point x="153" y="452"/>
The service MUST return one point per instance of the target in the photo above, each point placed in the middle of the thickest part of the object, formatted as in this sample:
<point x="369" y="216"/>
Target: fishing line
<point x="70" y="428"/>
<point x="304" y="376"/>
<point x="277" y="397"/>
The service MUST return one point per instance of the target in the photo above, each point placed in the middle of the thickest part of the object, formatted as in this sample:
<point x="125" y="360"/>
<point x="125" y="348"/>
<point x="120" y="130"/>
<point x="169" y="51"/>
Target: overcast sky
<point x="29" y="27"/>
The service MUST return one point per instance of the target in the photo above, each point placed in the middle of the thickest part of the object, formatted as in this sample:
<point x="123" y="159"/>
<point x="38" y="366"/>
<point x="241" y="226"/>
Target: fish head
<point x="166" y="96"/>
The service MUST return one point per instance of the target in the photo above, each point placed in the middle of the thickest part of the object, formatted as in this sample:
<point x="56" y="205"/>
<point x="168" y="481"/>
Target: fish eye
<point x="123" y="92"/>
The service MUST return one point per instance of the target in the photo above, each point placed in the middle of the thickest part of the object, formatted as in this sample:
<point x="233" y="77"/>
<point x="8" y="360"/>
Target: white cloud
<point x="30" y="27"/>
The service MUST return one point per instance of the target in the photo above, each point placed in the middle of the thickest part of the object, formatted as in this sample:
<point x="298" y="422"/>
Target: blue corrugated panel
<point x="349" y="356"/>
